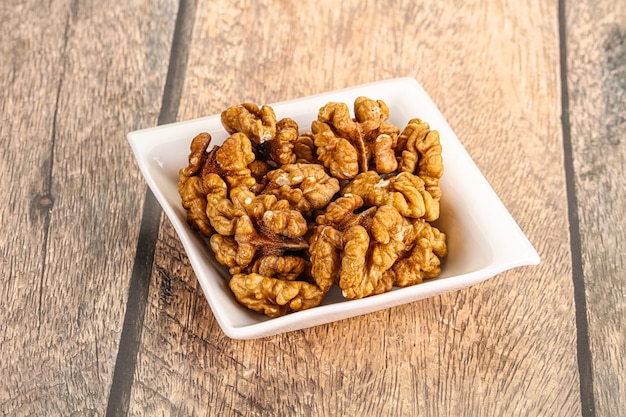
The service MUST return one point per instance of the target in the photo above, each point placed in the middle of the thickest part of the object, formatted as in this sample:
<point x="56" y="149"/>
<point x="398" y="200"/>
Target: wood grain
<point x="597" y="89"/>
<point x="506" y="347"/>
<point x="75" y="78"/>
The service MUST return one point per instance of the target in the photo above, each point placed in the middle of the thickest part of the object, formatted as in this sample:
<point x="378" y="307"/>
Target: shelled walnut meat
<point x="349" y="203"/>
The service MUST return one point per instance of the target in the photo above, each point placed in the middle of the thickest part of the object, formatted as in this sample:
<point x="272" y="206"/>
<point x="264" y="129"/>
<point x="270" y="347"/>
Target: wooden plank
<point x="75" y="78"/>
<point x="596" y="63"/>
<point x="488" y="350"/>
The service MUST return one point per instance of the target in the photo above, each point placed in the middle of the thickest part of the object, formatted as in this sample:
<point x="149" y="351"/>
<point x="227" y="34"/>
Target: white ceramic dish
<point x="483" y="238"/>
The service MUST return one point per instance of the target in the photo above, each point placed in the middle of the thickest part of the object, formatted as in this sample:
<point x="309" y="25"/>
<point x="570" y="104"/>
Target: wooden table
<point x="101" y="313"/>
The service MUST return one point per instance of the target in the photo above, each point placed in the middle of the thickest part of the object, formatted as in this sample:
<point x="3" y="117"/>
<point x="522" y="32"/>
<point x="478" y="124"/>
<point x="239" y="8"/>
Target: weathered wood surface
<point x="75" y="77"/>
<point x="488" y="350"/>
<point x="596" y="34"/>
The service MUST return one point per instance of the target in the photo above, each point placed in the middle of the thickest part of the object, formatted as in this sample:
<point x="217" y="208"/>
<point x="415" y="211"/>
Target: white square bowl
<point x="483" y="238"/>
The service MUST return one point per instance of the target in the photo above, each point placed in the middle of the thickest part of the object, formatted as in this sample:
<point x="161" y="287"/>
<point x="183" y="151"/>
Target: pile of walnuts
<point x="348" y="203"/>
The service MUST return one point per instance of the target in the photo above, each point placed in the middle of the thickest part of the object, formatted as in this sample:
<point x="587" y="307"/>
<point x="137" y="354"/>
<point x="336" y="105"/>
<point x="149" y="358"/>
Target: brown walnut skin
<point x="404" y="191"/>
<point x="191" y="187"/>
<point x="259" y="226"/>
<point x="306" y="186"/>
<point x="258" y="124"/>
<point x="425" y="245"/>
<point x="356" y="249"/>
<point x="419" y="152"/>
<point x="347" y="146"/>
<point x="274" y="297"/>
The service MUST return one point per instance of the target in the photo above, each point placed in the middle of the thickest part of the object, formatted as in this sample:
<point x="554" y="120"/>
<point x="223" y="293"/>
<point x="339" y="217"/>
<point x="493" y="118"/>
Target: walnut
<point x="281" y="267"/>
<point x="403" y="191"/>
<point x="258" y="124"/>
<point x="280" y="148"/>
<point x="193" y="200"/>
<point x="270" y="214"/>
<point x="259" y="226"/>
<point x="219" y="210"/>
<point x="225" y="249"/>
<point x="420" y="259"/>
<point x="348" y="145"/>
<point x="335" y="152"/>
<point x="304" y="148"/>
<point x="327" y="243"/>
<point x="191" y="188"/>
<point x="258" y="170"/>
<point x="306" y="186"/>
<point x="197" y="155"/>
<point x="231" y="161"/>
<point x="385" y="235"/>
<point x="325" y="249"/>
<point x="383" y="154"/>
<point x="274" y="297"/>
<point x="419" y="152"/>
<point x="372" y="116"/>
<point x="200" y="184"/>
<point x="344" y="213"/>
<point x="355" y="247"/>
<point x="273" y="140"/>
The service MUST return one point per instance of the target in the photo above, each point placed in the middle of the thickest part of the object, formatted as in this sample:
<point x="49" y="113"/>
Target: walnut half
<point x="274" y="297"/>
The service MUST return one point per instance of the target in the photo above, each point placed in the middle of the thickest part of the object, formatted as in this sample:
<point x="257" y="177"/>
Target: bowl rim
<point x="145" y="142"/>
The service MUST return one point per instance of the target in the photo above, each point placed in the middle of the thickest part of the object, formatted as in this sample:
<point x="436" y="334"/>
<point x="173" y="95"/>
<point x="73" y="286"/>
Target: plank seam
<point x="585" y="364"/>
<point x="46" y="199"/>
<point x="130" y="340"/>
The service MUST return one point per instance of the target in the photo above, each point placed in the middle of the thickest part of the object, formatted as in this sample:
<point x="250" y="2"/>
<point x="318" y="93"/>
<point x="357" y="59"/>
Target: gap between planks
<point x="130" y="339"/>
<point x="585" y="366"/>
